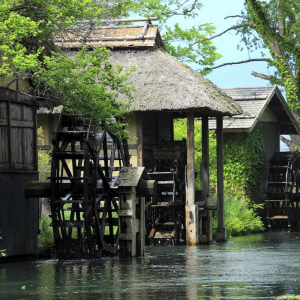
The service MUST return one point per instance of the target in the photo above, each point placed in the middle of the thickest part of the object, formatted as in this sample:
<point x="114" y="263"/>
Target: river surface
<point x="262" y="266"/>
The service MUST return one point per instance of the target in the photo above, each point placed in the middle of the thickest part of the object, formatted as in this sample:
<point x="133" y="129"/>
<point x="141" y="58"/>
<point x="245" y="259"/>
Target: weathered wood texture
<point x="17" y="134"/>
<point x="221" y="235"/>
<point x="131" y="224"/>
<point x="18" y="163"/>
<point x="36" y="189"/>
<point x="205" y="156"/>
<point x="152" y="129"/>
<point x="191" y="210"/>
<point x="190" y="160"/>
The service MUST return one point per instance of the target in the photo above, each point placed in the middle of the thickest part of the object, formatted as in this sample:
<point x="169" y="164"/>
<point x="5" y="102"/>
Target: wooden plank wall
<point x="18" y="136"/>
<point x="18" y="163"/>
<point x="154" y="129"/>
<point x="18" y="215"/>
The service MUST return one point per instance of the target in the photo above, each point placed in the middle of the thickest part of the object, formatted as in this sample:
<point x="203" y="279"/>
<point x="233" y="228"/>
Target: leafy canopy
<point x="86" y="83"/>
<point x="190" y="45"/>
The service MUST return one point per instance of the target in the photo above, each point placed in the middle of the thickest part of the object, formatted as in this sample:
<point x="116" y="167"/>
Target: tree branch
<point x="262" y="76"/>
<point x="289" y="143"/>
<point x="238" y="62"/>
<point x="236" y="16"/>
<point x="215" y="36"/>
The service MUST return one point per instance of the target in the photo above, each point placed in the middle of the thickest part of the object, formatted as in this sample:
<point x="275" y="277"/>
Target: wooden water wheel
<point x="283" y="196"/>
<point x="83" y="207"/>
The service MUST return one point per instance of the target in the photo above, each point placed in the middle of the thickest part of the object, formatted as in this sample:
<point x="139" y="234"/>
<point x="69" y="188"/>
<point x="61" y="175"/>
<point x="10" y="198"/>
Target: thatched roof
<point x="163" y="83"/>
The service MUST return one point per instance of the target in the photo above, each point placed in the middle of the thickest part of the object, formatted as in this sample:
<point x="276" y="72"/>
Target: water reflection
<point x="261" y="266"/>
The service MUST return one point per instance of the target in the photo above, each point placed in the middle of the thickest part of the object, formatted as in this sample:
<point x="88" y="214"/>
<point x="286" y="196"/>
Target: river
<point x="261" y="266"/>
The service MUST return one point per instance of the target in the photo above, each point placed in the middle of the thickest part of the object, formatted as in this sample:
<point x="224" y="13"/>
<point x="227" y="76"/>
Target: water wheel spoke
<point x="83" y="211"/>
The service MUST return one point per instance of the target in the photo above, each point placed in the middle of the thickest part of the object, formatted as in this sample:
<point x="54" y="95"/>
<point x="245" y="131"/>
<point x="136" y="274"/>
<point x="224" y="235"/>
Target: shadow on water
<point x="261" y="266"/>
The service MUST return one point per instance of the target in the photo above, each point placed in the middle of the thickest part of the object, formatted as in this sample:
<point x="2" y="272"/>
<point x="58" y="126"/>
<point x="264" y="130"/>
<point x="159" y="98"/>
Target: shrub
<point x="44" y="158"/>
<point x="240" y="217"/>
<point x="45" y="238"/>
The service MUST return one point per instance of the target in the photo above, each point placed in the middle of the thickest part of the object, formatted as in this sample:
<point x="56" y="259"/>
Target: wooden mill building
<point x="265" y="106"/>
<point x="18" y="163"/>
<point x="166" y="89"/>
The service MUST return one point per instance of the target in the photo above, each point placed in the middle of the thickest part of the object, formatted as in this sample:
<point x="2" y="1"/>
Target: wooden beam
<point x="191" y="210"/>
<point x="42" y="189"/>
<point x="221" y="234"/>
<point x="205" y="156"/>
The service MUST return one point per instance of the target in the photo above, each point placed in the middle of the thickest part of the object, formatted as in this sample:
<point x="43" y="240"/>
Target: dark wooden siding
<point x="17" y="133"/>
<point x="155" y="128"/>
<point x="18" y="163"/>
<point x="271" y="134"/>
<point x="18" y="215"/>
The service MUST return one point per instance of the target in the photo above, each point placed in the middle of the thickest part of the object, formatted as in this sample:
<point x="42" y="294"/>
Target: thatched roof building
<point x="258" y="104"/>
<point x="165" y="89"/>
<point x="163" y="83"/>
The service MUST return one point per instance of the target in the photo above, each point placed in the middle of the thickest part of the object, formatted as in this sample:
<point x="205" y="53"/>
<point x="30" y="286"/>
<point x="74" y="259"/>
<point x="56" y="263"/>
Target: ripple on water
<point x="261" y="266"/>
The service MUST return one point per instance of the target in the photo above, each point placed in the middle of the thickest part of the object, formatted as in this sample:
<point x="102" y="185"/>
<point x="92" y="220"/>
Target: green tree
<point x="86" y="83"/>
<point x="273" y="25"/>
<point x="188" y="44"/>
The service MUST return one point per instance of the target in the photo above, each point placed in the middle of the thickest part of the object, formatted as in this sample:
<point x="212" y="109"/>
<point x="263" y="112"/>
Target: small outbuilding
<point x="265" y="106"/>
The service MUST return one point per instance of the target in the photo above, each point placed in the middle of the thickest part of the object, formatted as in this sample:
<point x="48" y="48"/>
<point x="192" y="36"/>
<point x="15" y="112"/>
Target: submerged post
<point x="221" y="234"/>
<point x="191" y="210"/>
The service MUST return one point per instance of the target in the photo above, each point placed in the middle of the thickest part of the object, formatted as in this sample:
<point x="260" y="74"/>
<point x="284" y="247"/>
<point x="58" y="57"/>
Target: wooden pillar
<point x="205" y="156"/>
<point x="205" y="222"/>
<point x="139" y="122"/>
<point x="191" y="210"/>
<point x="221" y="234"/>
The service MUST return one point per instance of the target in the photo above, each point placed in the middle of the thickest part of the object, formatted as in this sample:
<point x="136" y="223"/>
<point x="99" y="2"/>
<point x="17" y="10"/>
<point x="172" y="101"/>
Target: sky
<point x="215" y="11"/>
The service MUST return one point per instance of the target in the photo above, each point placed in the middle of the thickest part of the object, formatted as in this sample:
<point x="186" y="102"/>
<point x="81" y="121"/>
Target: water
<point x="262" y="266"/>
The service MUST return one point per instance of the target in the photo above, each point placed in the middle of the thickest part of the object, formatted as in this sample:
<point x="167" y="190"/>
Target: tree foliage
<point x="87" y="83"/>
<point x="275" y="25"/>
<point x="243" y="162"/>
<point x="188" y="44"/>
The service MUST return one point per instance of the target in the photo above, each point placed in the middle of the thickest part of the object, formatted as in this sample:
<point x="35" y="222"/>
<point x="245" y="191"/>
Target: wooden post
<point x="128" y="225"/>
<point x="139" y="122"/>
<point x="205" y="156"/>
<point x="221" y="234"/>
<point x="191" y="210"/>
